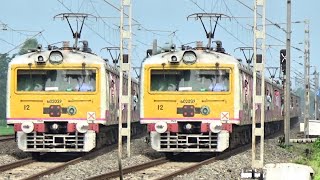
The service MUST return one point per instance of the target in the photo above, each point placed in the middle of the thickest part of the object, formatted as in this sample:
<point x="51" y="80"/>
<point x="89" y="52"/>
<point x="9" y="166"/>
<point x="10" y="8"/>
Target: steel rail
<point x="221" y="156"/>
<point x="128" y="170"/>
<point x="205" y="162"/>
<point x="54" y="169"/>
<point x="71" y="162"/>
<point x="16" y="164"/>
<point x="6" y="138"/>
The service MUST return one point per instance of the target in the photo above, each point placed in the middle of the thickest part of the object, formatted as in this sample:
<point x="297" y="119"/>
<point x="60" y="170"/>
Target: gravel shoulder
<point x="9" y="152"/>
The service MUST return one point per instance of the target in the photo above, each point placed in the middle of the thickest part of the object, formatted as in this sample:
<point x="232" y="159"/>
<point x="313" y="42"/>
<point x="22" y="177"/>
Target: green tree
<point x="27" y="45"/>
<point x="301" y="93"/>
<point x="4" y="61"/>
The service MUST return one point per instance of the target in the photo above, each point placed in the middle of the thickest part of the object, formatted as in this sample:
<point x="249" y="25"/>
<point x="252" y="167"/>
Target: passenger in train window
<point x="134" y="100"/>
<point x="83" y="85"/>
<point x="268" y="99"/>
<point x="219" y="84"/>
<point x="277" y="98"/>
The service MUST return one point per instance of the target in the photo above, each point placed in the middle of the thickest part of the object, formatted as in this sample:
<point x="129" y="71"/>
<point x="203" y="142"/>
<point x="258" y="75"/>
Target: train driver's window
<point x="30" y="80"/>
<point x="219" y="81"/>
<point x="190" y="80"/>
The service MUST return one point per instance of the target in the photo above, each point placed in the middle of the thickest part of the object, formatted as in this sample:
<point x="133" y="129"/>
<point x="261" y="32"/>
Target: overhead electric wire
<point x="7" y="42"/>
<point x="87" y="25"/>
<point x="148" y="30"/>
<point x="221" y="25"/>
<point x="24" y="42"/>
<point x="104" y="21"/>
<point x="41" y="34"/>
<point x="94" y="8"/>
<point x="275" y="24"/>
<point x="228" y="9"/>
<point x="18" y="31"/>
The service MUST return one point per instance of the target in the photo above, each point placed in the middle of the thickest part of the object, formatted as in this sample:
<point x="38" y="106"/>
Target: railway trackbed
<point x="33" y="169"/>
<point x="163" y="168"/>
<point x="30" y="169"/>
<point x="6" y="138"/>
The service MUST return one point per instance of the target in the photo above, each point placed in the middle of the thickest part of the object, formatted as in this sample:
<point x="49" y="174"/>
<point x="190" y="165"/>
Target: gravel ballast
<point x="141" y="152"/>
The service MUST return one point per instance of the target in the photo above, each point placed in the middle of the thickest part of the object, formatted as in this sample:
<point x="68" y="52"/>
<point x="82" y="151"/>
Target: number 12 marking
<point x="160" y="107"/>
<point x="26" y="107"/>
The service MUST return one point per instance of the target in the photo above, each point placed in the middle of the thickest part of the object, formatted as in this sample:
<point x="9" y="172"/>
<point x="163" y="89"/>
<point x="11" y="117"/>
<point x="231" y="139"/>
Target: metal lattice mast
<point x="125" y="77"/>
<point x="316" y="106"/>
<point x="306" y="79"/>
<point x="286" y="77"/>
<point x="258" y="85"/>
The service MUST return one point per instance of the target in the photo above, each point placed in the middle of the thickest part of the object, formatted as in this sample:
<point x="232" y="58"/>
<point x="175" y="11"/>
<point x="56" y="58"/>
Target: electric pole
<point x="307" y="79"/>
<point x="316" y="105"/>
<point x="259" y="51"/>
<point x="287" y="98"/>
<point x="125" y="78"/>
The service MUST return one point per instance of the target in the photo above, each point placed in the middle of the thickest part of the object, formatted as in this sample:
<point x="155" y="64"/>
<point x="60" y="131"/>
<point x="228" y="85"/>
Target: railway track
<point x="163" y="168"/>
<point x="33" y="169"/>
<point x="45" y="165"/>
<point x="6" y="138"/>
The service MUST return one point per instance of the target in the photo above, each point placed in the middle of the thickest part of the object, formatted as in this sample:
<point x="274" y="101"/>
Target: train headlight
<point x="55" y="126"/>
<point x="188" y="126"/>
<point x="215" y="126"/>
<point x="189" y="57"/>
<point x="174" y="59"/>
<point x="27" y="127"/>
<point x="205" y="110"/>
<point x="82" y="127"/>
<point x="161" y="127"/>
<point x="40" y="59"/>
<point x="55" y="57"/>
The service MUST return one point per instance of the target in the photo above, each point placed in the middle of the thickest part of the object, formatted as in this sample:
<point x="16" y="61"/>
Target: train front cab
<point x="54" y="118"/>
<point x="184" y="113"/>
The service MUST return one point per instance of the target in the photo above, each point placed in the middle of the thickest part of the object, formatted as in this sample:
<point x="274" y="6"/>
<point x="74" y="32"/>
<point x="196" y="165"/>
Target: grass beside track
<point x="4" y="130"/>
<point x="310" y="157"/>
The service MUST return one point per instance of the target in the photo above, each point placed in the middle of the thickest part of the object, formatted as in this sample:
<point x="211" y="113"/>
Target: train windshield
<point x="216" y="80"/>
<point x="56" y="80"/>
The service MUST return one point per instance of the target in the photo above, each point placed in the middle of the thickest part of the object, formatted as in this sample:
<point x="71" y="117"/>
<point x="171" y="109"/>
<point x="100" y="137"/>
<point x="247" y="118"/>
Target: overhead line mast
<point x="259" y="44"/>
<point x="125" y="77"/>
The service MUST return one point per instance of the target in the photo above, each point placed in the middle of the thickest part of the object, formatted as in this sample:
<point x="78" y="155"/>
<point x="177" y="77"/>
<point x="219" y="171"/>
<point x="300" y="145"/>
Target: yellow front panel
<point x="36" y="104"/>
<point x="169" y="104"/>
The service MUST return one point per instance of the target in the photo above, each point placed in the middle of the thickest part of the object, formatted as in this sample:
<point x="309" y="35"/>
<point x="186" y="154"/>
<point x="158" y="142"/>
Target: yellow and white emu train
<point x="64" y="100"/>
<point x="200" y="100"/>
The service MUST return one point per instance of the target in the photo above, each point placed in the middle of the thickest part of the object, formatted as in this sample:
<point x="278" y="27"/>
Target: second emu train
<point x="200" y="100"/>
